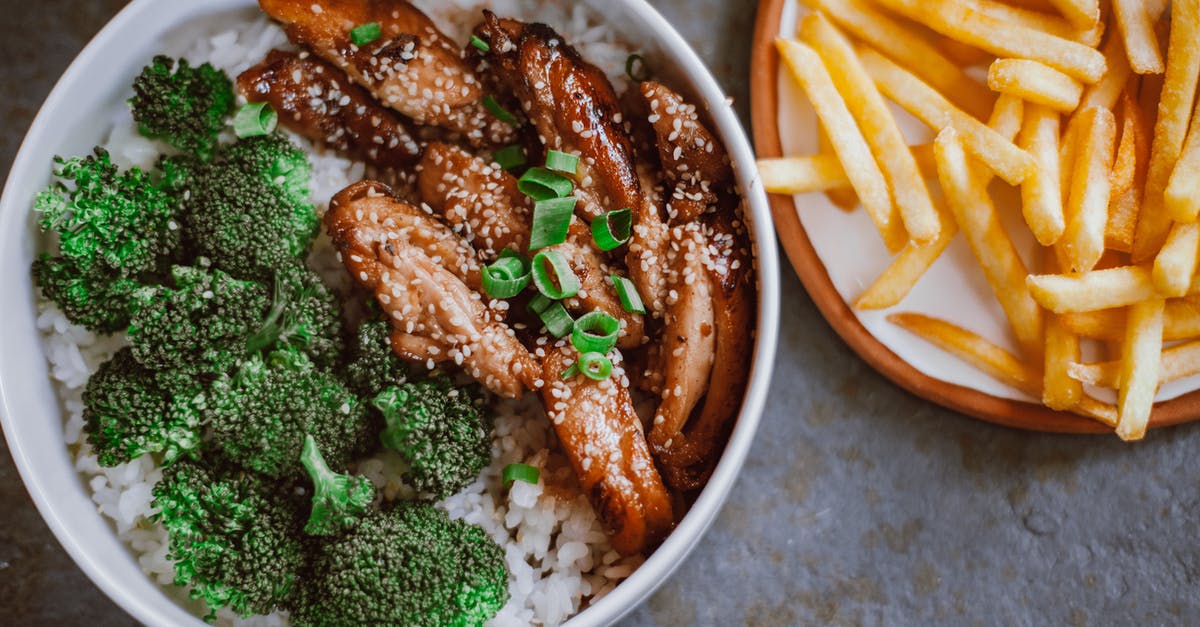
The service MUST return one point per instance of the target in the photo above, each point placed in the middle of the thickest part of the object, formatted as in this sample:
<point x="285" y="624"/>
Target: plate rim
<point x="764" y="109"/>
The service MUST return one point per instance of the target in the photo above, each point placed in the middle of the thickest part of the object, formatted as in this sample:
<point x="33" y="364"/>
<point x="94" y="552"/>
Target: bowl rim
<point x="659" y="566"/>
<point x="764" y="76"/>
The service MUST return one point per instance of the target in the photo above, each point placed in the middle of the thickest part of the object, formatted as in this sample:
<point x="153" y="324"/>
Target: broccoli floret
<point x="439" y="431"/>
<point x="339" y="501"/>
<point x="130" y="410"/>
<point x="305" y="315"/>
<point x="235" y="537"/>
<point x="248" y="210"/>
<point x="372" y="366"/>
<point x="262" y="413"/>
<point x="185" y="106"/>
<point x="199" y="325"/>
<point x="115" y="230"/>
<point x="409" y="565"/>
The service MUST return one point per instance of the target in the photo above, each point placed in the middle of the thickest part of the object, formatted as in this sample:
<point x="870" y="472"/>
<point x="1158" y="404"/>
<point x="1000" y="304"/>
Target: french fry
<point x="1036" y="83"/>
<point x="1123" y="209"/>
<point x="1182" y="196"/>
<point x="1081" y="13"/>
<point x="993" y="360"/>
<point x="1059" y="390"/>
<point x="1041" y="194"/>
<point x="878" y="125"/>
<point x="1009" y="162"/>
<point x="1003" y="39"/>
<point x="1086" y="211"/>
<point x="1125" y="160"/>
<point x="903" y="43"/>
<point x="1044" y="21"/>
<point x="976" y="216"/>
<point x="1178" y="362"/>
<point x="1181" y="321"/>
<point x="848" y="142"/>
<point x="1007" y="116"/>
<point x="1107" y="91"/>
<point x="1099" y="289"/>
<point x="802" y="175"/>
<point x="907" y="268"/>
<point x="1139" y="368"/>
<point x="843" y="197"/>
<point x="1175" y="264"/>
<point x="1174" y="110"/>
<point x="1137" y="31"/>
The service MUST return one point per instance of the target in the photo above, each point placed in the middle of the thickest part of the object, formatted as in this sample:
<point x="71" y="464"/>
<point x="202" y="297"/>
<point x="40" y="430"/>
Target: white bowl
<point x="74" y="118"/>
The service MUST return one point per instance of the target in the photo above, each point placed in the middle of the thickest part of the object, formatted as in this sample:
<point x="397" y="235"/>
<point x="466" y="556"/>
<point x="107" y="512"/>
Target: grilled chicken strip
<point x="596" y="291"/>
<point x="318" y="101"/>
<point x="412" y="67"/>
<point x="435" y="316"/>
<point x="602" y="436"/>
<point x="478" y="198"/>
<point x="573" y="107"/>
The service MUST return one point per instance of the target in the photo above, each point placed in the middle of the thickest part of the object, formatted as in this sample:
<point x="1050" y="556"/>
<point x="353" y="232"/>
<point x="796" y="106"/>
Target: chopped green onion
<point x="627" y="292"/>
<point x="562" y="162"/>
<point x="595" y="366"/>
<point x="613" y="229"/>
<point x="480" y="44"/>
<point x="507" y="277"/>
<point x="520" y="472"/>
<point x="595" y="332"/>
<point x="255" y="119"/>
<point x="635" y="68"/>
<point x="542" y="184"/>
<point x="502" y="114"/>
<point x="510" y="157"/>
<point x="556" y="320"/>
<point x="364" y="34"/>
<point x="569" y="373"/>
<point x="539" y="303"/>
<point x="559" y="281"/>
<point x="551" y="219"/>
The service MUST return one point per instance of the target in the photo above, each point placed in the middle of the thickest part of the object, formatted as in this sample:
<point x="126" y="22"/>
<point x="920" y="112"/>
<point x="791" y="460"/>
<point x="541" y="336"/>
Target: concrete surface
<point x="860" y="504"/>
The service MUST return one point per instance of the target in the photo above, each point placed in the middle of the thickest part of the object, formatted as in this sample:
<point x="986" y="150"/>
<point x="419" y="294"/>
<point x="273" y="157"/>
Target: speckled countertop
<point x="859" y="504"/>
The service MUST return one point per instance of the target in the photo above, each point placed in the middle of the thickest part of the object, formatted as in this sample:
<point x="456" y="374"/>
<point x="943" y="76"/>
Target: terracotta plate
<point x="809" y="266"/>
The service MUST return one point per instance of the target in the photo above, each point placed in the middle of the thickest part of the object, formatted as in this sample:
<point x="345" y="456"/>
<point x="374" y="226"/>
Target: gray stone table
<point x="860" y="504"/>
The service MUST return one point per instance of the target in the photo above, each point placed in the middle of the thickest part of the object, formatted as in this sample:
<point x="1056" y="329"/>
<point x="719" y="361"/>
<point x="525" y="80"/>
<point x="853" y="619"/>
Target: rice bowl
<point x="123" y="493"/>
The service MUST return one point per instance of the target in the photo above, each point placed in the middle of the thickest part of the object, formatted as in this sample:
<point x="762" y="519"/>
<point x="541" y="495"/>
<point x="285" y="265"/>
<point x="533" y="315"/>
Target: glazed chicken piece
<point x="647" y="251"/>
<point x="571" y="104"/>
<point x="602" y="435"/>
<point x="318" y="101"/>
<point x="381" y="215"/>
<point x="596" y="291"/>
<point x="411" y="67"/>
<point x="694" y="163"/>
<point x="476" y="197"/>
<point x="435" y="316"/>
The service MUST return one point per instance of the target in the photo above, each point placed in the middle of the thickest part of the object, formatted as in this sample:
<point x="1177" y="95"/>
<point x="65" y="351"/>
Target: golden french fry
<point x="1181" y="321"/>
<point x="1182" y="196"/>
<point x="802" y="175"/>
<point x="1059" y="390"/>
<point x="907" y="268"/>
<point x="843" y="197"/>
<point x="1036" y="83"/>
<point x="901" y="42"/>
<point x="1107" y="90"/>
<point x="1137" y="32"/>
<point x="1174" y="110"/>
<point x="1001" y="38"/>
<point x="1086" y="211"/>
<point x="1041" y="194"/>
<point x="1139" y="368"/>
<point x="976" y="216"/>
<point x="1081" y="13"/>
<point x="1123" y="209"/>
<point x="1044" y="21"/>
<point x="878" y="126"/>
<point x="1126" y="157"/>
<point x="1098" y="289"/>
<point x="1175" y="264"/>
<point x="848" y="142"/>
<point x="1178" y="362"/>
<point x="1007" y="116"/>
<point x="1009" y="162"/>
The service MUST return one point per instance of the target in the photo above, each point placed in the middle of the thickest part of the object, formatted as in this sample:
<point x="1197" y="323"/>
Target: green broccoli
<point x="305" y="315"/>
<point x="130" y="410"/>
<point x="372" y="366"/>
<point x="339" y="501"/>
<point x="115" y="230"/>
<point x="249" y="210"/>
<point x="408" y="565"/>
<point x="262" y="413"/>
<point x="235" y="537"/>
<point x="200" y="325"/>
<point x="440" y="432"/>
<point x="183" y="105"/>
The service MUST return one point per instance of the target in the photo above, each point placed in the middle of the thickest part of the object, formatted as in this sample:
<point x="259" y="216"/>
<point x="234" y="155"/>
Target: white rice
<point x="557" y="553"/>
